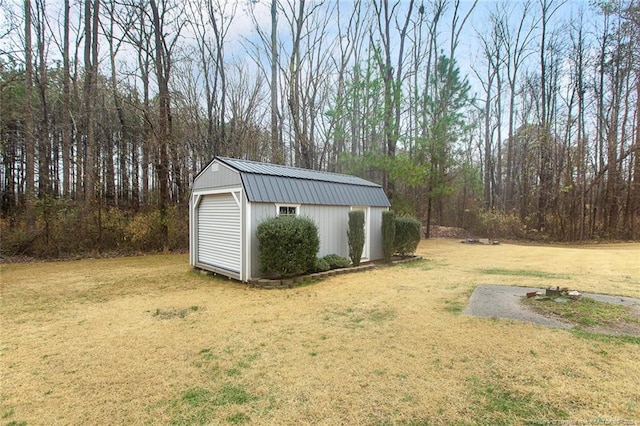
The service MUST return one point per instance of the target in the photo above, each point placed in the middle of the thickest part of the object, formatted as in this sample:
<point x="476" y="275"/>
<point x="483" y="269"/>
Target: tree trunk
<point x="277" y="154"/>
<point x="29" y="137"/>
<point x="66" y="109"/>
<point x="162" y="135"/>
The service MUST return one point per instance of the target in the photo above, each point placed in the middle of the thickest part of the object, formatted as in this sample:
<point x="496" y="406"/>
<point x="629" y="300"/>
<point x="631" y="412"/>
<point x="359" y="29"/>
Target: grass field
<point x="146" y="340"/>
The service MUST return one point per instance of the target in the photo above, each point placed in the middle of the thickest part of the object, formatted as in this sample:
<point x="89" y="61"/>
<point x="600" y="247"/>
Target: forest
<point x="511" y="119"/>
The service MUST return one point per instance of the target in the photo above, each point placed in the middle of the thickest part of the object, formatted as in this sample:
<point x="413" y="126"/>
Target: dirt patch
<point x="623" y="328"/>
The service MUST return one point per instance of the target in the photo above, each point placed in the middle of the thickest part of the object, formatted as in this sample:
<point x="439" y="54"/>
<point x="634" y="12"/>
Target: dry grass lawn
<point x="146" y="340"/>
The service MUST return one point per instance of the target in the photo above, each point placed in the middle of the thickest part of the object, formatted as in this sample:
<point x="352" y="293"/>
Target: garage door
<point x="219" y="232"/>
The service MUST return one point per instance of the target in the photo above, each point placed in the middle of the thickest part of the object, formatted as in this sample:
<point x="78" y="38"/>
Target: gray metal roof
<point x="281" y="184"/>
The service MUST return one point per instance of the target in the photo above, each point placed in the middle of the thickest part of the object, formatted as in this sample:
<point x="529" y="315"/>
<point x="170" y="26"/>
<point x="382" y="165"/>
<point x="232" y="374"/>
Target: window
<point x="287" y="210"/>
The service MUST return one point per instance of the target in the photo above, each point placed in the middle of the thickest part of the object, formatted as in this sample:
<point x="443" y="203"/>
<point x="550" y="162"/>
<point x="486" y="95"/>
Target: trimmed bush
<point x="287" y="245"/>
<point x="321" y="265"/>
<point x="335" y="261"/>
<point x="355" y="235"/>
<point x="388" y="234"/>
<point x="407" y="235"/>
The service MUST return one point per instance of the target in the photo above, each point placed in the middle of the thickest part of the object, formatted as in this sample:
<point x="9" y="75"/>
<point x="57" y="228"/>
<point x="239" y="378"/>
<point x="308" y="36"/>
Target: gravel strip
<point x="497" y="301"/>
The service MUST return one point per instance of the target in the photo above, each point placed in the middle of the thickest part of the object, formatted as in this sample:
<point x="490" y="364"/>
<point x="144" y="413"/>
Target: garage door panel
<point x="219" y="232"/>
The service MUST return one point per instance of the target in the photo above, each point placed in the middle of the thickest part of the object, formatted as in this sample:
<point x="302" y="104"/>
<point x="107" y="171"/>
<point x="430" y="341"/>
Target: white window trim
<point x="297" y="207"/>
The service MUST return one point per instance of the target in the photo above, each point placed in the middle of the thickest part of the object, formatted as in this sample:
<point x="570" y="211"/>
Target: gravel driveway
<point x="498" y="301"/>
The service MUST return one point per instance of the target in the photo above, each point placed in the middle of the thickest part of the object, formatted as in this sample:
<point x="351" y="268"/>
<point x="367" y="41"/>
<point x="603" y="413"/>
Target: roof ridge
<point x="286" y="167"/>
<point x="228" y="160"/>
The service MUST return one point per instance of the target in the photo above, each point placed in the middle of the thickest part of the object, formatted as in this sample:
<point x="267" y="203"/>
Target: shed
<point x="230" y="197"/>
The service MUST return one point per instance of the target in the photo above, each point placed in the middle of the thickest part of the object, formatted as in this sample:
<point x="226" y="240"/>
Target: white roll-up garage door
<point x="219" y="232"/>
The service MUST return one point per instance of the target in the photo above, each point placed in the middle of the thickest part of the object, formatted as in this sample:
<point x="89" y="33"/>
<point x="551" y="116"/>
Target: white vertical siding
<point x="259" y="212"/>
<point x="375" y="232"/>
<point x="332" y="222"/>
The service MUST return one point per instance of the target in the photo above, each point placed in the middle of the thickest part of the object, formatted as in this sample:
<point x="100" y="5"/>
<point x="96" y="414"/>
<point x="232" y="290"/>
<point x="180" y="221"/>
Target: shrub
<point x="335" y="261"/>
<point x="178" y="218"/>
<point x="355" y="235"/>
<point x="287" y="245"/>
<point x="321" y="265"/>
<point x="145" y="231"/>
<point x="388" y="234"/>
<point x="68" y="228"/>
<point x="495" y="224"/>
<point x="17" y="241"/>
<point x="407" y="235"/>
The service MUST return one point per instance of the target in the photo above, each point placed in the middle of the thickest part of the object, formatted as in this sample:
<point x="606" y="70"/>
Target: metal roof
<point x="282" y="184"/>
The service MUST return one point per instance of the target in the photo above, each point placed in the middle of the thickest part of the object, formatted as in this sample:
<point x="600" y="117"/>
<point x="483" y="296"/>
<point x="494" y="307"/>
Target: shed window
<point x="287" y="210"/>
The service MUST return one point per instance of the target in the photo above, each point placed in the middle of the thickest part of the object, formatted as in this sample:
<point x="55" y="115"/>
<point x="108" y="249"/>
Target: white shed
<point x="230" y="197"/>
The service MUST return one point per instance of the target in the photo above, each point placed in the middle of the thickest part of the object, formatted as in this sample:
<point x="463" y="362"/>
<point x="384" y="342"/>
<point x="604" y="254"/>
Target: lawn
<point x="146" y="340"/>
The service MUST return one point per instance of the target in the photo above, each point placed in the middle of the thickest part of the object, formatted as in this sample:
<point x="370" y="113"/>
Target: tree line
<point x="517" y="119"/>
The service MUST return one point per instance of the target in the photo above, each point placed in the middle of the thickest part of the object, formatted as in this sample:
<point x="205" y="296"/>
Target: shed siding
<point x="224" y="177"/>
<point x="332" y="227"/>
<point x="259" y="212"/>
<point x="330" y="220"/>
<point x="232" y="220"/>
<point x="375" y="248"/>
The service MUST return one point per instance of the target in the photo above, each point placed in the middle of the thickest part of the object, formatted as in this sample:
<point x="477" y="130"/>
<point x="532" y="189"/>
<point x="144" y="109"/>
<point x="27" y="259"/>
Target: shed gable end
<point x="217" y="176"/>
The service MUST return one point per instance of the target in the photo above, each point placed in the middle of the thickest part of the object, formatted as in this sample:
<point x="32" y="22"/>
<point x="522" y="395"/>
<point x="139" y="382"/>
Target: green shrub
<point x="321" y="265"/>
<point x="355" y="235"/>
<point x="335" y="261"/>
<point x="287" y="245"/>
<point x="407" y="235"/>
<point x="388" y="234"/>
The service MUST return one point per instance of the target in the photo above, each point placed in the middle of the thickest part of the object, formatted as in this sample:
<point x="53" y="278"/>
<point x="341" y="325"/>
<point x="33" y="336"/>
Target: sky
<point x="242" y="30"/>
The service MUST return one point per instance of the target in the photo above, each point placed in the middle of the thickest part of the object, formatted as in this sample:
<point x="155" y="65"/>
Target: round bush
<point x="287" y="245"/>
<point x="321" y="265"/>
<point x="335" y="261"/>
<point x="407" y="235"/>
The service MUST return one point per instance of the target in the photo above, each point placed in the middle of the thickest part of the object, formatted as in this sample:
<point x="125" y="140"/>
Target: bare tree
<point x="578" y="60"/>
<point x="517" y="45"/>
<point x="163" y="49"/>
<point x="270" y="47"/>
<point x="29" y="139"/>
<point x="304" y="77"/>
<point x="91" y="25"/>
<point x="491" y="52"/>
<point x="548" y="9"/>
<point x="66" y="106"/>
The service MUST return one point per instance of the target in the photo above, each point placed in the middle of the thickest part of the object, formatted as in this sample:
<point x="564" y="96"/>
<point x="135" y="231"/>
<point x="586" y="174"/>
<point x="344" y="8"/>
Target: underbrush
<point x="66" y="229"/>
